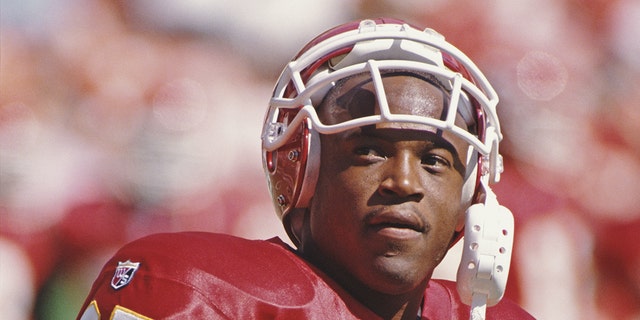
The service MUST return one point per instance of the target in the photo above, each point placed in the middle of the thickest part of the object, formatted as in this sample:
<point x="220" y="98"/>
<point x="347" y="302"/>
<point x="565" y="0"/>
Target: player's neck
<point x="399" y="306"/>
<point x="397" y="309"/>
<point x="389" y="306"/>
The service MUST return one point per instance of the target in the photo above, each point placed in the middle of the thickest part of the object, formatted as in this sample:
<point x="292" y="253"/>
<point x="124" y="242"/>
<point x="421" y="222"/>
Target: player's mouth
<point x="400" y="224"/>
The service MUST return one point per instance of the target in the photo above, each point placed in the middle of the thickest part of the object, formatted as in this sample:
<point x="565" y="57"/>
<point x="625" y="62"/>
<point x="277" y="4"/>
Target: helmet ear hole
<point x="270" y="161"/>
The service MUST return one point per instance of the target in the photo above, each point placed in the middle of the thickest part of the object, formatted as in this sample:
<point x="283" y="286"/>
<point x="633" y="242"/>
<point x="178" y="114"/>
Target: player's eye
<point x="435" y="163"/>
<point x="368" y="153"/>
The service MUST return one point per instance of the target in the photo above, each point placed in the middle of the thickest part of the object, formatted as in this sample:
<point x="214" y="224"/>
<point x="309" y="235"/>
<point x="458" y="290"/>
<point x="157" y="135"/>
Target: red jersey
<point x="197" y="275"/>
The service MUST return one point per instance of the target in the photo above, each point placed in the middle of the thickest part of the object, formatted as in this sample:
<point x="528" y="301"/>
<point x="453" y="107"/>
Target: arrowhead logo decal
<point x="124" y="273"/>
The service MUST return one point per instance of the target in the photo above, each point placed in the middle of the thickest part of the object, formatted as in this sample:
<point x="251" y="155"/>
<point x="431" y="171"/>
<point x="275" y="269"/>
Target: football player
<point x="379" y="146"/>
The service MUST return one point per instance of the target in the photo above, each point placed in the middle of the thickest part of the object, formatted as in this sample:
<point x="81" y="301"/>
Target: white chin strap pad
<point x="486" y="255"/>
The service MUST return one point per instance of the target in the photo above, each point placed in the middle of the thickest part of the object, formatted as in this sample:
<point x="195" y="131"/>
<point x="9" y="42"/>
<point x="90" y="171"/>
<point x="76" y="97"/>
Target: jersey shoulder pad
<point x="206" y="275"/>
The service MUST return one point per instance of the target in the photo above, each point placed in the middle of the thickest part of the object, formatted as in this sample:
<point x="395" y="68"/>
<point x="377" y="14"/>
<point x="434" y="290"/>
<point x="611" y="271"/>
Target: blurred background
<point x="123" y="118"/>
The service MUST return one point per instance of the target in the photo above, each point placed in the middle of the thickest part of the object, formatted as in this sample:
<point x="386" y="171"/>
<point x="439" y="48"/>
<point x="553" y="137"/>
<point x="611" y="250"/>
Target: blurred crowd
<point x="120" y="118"/>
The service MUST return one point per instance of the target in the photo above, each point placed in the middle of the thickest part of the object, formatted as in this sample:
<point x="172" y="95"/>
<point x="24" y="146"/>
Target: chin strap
<point x="478" y="306"/>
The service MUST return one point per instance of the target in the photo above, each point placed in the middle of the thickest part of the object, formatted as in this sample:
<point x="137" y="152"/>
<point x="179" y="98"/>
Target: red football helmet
<point x="290" y="143"/>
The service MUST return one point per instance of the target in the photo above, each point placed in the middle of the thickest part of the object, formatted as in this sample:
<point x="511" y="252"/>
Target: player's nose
<point x="402" y="177"/>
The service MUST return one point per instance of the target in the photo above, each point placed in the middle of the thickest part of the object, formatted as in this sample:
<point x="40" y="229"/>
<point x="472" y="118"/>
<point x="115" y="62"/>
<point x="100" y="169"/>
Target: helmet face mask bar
<point x="291" y="158"/>
<point x="277" y="134"/>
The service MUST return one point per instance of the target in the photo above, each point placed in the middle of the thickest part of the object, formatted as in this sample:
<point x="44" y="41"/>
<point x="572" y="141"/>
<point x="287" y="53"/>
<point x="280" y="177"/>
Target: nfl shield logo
<point x="124" y="273"/>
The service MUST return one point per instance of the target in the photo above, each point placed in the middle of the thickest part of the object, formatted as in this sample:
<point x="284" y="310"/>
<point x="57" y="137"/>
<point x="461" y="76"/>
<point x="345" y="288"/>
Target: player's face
<point x="388" y="198"/>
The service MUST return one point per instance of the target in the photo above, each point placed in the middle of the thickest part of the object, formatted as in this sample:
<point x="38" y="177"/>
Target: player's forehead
<point x="406" y="93"/>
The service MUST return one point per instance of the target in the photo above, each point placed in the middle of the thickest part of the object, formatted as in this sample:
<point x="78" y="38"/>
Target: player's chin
<point x="399" y="275"/>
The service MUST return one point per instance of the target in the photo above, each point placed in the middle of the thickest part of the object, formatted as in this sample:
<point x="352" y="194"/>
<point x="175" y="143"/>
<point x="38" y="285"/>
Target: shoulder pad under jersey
<point x="206" y="275"/>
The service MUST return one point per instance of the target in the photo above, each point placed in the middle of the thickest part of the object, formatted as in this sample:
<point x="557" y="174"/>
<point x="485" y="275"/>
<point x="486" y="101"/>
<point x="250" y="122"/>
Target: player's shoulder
<point x="196" y="274"/>
<point x="236" y="264"/>
<point x="441" y="293"/>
